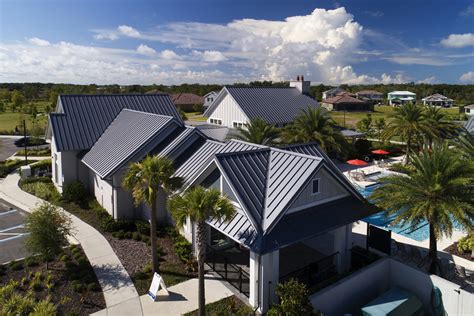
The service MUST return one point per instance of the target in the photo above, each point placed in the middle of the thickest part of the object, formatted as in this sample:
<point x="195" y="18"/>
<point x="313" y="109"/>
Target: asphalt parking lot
<point x="12" y="233"/>
<point x="7" y="147"/>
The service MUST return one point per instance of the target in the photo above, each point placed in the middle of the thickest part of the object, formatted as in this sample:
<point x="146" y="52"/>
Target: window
<point x="237" y="124"/>
<point x="215" y="121"/>
<point x="315" y="186"/>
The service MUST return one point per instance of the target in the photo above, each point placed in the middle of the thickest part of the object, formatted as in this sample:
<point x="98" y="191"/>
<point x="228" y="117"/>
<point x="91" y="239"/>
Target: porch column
<point x="264" y="277"/>
<point x="342" y="244"/>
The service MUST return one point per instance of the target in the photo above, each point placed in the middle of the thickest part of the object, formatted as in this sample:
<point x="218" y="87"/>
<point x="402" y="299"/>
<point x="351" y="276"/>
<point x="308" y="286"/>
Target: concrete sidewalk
<point x="116" y="284"/>
<point x="183" y="298"/>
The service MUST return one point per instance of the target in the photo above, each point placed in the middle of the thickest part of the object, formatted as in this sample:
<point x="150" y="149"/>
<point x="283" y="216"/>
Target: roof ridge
<point x="248" y="143"/>
<point x="247" y="151"/>
<point x="147" y="113"/>
<point x="110" y="94"/>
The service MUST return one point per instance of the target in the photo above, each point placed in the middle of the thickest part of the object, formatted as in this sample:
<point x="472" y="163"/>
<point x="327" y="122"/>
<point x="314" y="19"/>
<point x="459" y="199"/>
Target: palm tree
<point x="408" y="121"/>
<point x="440" y="125"/>
<point x="258" y="131"/>
<point x="146" y="180"/>
<point x="465" y="144"/>
<point x="200" y="204"/>
<point x="314" y="125"/>
<point x="438" y="191"/>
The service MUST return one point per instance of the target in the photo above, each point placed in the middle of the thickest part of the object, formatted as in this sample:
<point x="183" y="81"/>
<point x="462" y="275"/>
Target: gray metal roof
<point x="176" y="145"/>
<point x="274" y="105"/>
<point x="215" y="132"/>
<point x="266" y="180"/>
<point x="126" y="136"/>
<point x="85" y="117"/>
<point x="191" y="169"/>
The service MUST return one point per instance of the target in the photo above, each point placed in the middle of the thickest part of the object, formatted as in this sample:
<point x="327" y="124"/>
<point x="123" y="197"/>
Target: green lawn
<point x="380" y="111"/>
<point x="9" y="120"/>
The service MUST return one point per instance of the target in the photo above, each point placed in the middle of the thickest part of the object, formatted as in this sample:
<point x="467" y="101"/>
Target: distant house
<point x="187" y="101"/>
<point x="401" y="97"/>
<point x="331" y="93"/>
<point x="438" y="100"/>
<point x="209" y="98"/>
<point x="236" y="106"/>
<point x="345" y="102"/>
<point x="371" y="96"/>
<point x="470" y="125"/>
<point x="469" y="109"/>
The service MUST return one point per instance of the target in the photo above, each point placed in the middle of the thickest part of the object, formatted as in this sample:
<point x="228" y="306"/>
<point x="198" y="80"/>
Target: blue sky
<point x="221" y="41"/>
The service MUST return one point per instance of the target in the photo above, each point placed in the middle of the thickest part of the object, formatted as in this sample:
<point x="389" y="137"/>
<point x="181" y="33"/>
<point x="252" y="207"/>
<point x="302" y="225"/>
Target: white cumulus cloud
<point x="428" y="80"/>
<point x="458" y="40"/>
<point x="145" y="50"/>
<point x="128" y="31"/>
<point x="467" y="77"/>
<point x="169" y="54"/>
<point x="38" y="41"/>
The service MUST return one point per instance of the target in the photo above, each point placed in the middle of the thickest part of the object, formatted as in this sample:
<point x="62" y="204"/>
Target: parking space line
<point x="14" y="237"/>
<point x="12" y="211"/>
<point x="12" y="228"/>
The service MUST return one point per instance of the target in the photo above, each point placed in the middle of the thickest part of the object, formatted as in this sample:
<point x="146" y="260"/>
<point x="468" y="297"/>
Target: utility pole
<point x="26" y="143"/>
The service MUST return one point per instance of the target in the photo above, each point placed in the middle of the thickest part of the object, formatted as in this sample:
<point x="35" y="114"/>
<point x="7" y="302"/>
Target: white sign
<point x="155" y="286"/>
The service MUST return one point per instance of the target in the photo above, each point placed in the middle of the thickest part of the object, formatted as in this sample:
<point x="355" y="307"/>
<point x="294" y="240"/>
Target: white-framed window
<point x="315" y="186"/>
<point x="237" y="124"/>
<point x="215" y="121"/>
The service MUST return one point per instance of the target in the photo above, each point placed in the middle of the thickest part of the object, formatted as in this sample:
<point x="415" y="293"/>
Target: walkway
<point x="116" y="284"/>
<point x="183" y="298"/>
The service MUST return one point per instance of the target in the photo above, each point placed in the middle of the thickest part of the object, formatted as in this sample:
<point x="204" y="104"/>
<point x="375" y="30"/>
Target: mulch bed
<point x="136" y="255"/>
<point x="62" y="294"/>
<point x="453" y="249"/>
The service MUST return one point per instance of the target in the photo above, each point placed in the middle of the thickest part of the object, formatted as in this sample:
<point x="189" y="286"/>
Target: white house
<point x="438" y="100"/>
<point x="295" y="209"/>
<point x="236" y="106"/>
<point x="469" y="109"/>
<point x="401" y="97"/>
<point x="209" y="98"/>
<point x="331" y="93"/>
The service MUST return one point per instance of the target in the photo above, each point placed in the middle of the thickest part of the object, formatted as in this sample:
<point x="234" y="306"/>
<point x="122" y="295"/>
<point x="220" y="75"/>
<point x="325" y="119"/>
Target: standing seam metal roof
<point x="126" y="135"/>
<point x="86" y="117"/>
<point x="274" y="105"/>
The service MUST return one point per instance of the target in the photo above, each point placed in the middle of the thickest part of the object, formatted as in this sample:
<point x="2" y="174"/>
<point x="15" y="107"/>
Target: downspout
<point x="258" y="286"/>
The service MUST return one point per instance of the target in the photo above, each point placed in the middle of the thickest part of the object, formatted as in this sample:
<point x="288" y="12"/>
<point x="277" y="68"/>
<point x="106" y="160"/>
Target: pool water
<point x="419" y="233"/>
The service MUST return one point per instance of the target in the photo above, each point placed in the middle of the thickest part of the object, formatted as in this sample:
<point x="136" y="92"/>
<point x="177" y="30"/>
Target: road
<point x="7" y="148"/>
<point x="12" y="233"/>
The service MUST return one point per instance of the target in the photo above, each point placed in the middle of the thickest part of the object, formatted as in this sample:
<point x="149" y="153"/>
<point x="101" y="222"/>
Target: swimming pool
<point x="419" y="233"/>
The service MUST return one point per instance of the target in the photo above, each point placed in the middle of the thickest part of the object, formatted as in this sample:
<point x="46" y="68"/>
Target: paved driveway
<point x="7" y="148"/>
<point x="12" y="233"/>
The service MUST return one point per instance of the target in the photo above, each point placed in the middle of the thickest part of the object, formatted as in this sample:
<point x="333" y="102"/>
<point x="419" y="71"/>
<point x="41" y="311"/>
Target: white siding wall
<point x="329" y="189"/>
<point x="103" y="192"/>
<point x="65" y="166"/>
<point x="228" y="111"/>
<point x="123" y="200"/>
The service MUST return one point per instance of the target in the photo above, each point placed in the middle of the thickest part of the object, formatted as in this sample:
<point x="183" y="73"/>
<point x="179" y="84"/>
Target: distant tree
<point x="17" y="100"/>
<point x="5" y="95"/>
<point x="380" y="126"/>
<point x="2" y="107"/>
<point x="365" y="125"/>
<point x="410" y="123"/>
<point x="48" y="229"/>
<point x="258" y="131"/>
<point x="441" y="127"/>
<point x="314" y="125"/>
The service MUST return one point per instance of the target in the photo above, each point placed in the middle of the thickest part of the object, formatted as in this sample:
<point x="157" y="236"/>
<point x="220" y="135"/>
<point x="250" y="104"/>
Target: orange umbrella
<point x="357" y="162"/>
<point x="380" y="152"/>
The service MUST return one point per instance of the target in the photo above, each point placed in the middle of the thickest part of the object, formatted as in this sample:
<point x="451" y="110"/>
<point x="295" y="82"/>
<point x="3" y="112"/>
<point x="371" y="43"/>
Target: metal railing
<point x="314" y="272"/>
<point x="232" y="273"/>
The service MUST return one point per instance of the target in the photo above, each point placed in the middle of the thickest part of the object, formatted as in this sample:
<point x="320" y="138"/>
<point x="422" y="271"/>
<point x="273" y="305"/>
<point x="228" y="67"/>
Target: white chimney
<point x="300" y="84"/>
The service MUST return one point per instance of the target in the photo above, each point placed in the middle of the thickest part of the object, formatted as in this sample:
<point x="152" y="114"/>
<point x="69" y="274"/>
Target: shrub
<point x="82" y="261"/>
<point x="16" y="265"/>
<point x="466" y="244"/>
<point x="136" y="236"/>
<point x="146" y="240"/>
<point x="94" y="287"/>
<point x="43" y="190"/>
<point x="78" y="287"/>
<point x="36" y="285"/>
<point x="120" y="234"/>
<point x="31" y="262"/>
<point x="294" y="299"/>
<point x="74" y="192"/>
<point x="3" y="269"/>
<point x="148" y="268"/>
<point x="142" y="227"/>
<point x="41" y="165"/>
<point x="73" y="247"/>
<point x="183" y="248"/>
<point x="109" y="224"/>
<point x="77" y="255"/>
<point x="64" y="258"/>
<point x="128" y="235"/>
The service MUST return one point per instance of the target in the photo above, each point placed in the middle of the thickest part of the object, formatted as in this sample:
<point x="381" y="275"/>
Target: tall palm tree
<point x="200" y="204"/>
<point x="146" y="180"/>
<point x="441" y="127"/>
<point x="465" y="144"/>
<point x="438" y="191"/>
<point x="408" y="121"/>
<point x="313" y="125"/>
<point x="258" y="131"/>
